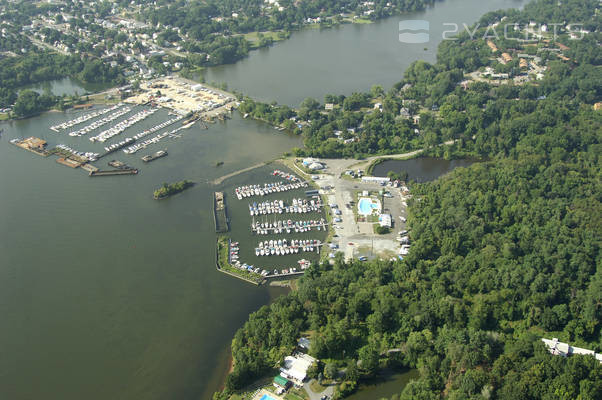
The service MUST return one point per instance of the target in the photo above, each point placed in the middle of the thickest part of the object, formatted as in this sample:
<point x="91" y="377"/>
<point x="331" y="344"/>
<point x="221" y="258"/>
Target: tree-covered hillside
<point x="504" y="252"/>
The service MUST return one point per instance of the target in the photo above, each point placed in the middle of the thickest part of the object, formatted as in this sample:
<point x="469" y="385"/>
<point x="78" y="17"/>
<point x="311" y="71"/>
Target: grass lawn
<point x="294" y="396"/>
<point x="316" y="387"/>
<point x="4" y="116"/>
<point x="254" y="36"/>
<point x="222" y="248"/>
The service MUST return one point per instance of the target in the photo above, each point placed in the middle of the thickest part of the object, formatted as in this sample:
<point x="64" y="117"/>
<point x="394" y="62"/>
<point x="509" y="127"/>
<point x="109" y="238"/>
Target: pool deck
<point x="374" y="206"/>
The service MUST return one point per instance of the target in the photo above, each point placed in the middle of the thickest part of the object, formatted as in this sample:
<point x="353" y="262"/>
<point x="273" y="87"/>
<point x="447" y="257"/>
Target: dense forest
<point x="504" y="252"/>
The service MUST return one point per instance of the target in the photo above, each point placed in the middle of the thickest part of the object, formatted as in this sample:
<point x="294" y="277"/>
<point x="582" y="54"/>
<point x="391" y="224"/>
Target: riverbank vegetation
<point x="503" y="253"/>
<point x="470" y="90"/>
<point x="22" y="71"/>
<point x="172" y="188"/>
<point x="224" y="265"/>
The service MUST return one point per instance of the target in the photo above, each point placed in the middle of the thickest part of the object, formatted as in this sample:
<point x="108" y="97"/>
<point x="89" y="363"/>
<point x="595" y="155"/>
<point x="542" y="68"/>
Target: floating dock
<point x="220" y="215"/>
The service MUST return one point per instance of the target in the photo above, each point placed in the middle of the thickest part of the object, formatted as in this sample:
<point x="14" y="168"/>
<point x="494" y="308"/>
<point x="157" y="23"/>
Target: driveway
<point x="329" y="391"/>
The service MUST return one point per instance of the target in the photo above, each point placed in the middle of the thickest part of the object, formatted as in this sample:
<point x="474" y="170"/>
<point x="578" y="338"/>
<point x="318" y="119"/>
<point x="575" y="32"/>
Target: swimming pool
<point x="366" y="205"/>
<point x="267" y="397"/>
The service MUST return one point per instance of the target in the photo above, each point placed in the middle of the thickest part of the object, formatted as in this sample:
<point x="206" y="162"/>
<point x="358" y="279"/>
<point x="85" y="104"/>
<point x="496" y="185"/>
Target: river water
<point x="423" y="169"/>
<point x="347" y="58"/>
<point x="106" y="293"/>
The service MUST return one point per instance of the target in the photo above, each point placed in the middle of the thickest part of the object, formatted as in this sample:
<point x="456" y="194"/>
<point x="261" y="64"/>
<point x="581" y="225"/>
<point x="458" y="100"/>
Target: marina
<point x="156" y="139"/>
<point x="69" y="152"/>
<point x="267" y="188"/>
<point x="288" y="226"/>
<point x="120" y="145"/>
<point x="258" y="275"/>
<point x="123" y="125"/>
<point x="286" y="175"/>
<point x="157" y="128"/>
<point x="101" y="122"/>
<point x="83" y="118"/>
<point x="297" y="206"/>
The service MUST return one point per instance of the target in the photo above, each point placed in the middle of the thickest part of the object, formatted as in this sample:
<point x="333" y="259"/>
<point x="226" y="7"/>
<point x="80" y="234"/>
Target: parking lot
<point x="358" y="239"/>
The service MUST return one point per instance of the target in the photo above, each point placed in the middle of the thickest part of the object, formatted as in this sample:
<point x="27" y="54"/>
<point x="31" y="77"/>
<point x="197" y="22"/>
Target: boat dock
<point x="288" y="226"/>
<point x="267" y="188"/>
<point x="123" y="125"/>
<point x="298" y="206"/>
<point x="117" y="146"/>
<point x="125" y="171"/>
<point x="220" y="215"/>
<point x="83" y="118"/>
<point x="281" y="247"/>
<point x="119" y="111"/>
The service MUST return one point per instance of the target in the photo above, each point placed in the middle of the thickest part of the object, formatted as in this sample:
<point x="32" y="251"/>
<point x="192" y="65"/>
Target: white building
<point x="375" y="179"/>
<point x="295" y="367"/>
<point x="564" y="349"/>
<point x="385" y="220"/>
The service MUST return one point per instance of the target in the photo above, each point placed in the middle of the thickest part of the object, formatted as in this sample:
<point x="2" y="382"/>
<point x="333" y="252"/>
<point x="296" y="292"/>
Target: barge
<point x="153" y="157"/>
<point x="220" y="215"/>
<point x="128" y="171"/>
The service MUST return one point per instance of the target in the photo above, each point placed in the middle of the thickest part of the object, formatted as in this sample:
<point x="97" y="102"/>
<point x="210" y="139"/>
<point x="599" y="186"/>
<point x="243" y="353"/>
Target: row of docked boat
<point x="157" y="128"/>
<point x="154" y="139"/>
<point x="119" y="145"/>
<point x="286" y="175"/>
<point x="266" y="228"/>
<point x="101" y="122"/>
<point x="83" y="118"/>
<point x="123" y="125"/>
<point x="281" y="247"/>
<point x="90" y="156"/>
<point x="267" y="188"/>
<point x="298" y="206"/>
<point x="233" y="250"/>
<point x="303" y="265"/>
